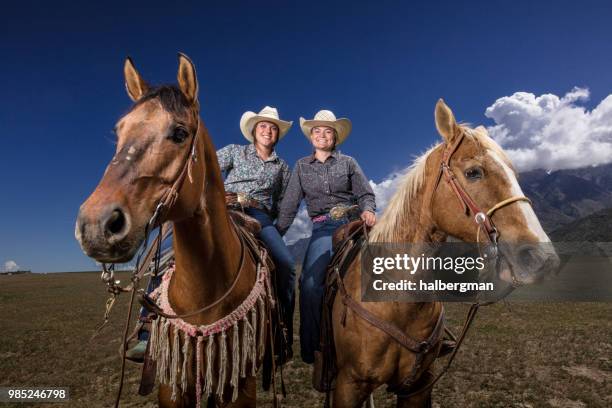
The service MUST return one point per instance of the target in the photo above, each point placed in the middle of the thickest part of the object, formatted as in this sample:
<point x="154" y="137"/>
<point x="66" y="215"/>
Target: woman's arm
<point x="279" y="189"/>
<point x="361" y="188"/>
<point x="225" y="156"/>
<point x="364" y="194"/>
<point x="291" y="201"/>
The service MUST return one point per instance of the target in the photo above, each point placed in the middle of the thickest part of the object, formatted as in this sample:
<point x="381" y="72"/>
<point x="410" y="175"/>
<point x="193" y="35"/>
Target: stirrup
<point x="137" y="353"/>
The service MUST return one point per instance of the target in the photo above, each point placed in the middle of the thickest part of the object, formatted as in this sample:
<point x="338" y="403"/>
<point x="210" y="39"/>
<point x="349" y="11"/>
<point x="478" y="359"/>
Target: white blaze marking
<point x="131" y="150"/>
<point x="515" y="190"/>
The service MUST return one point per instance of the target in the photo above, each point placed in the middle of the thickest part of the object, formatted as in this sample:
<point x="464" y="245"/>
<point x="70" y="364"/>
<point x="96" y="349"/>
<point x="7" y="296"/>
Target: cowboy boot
<point x="137" y="353"/>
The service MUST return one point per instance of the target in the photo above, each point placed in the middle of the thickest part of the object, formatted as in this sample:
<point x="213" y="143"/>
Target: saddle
<point x="277" y="348"/>
<point x="346" y="243"/>
<point x="344" y="233"/>
<point x="245" y="221"/>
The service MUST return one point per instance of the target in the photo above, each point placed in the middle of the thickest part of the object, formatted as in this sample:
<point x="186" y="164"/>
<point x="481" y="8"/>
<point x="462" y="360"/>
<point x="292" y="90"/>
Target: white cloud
<point x="385" y="189"/>
<point x="552" y="132"/>
<point x="301" y="227"/>
<point x="10" y="266"/>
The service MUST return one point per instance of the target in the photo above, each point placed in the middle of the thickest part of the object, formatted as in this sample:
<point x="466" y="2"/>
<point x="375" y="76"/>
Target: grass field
<point x="517" y="355"/>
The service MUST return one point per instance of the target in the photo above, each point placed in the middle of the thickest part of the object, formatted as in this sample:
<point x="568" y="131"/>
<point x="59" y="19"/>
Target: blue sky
<point x="382" y="64"/>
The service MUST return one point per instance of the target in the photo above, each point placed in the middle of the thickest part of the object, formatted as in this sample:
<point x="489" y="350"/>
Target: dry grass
<point x="532" y="355"/>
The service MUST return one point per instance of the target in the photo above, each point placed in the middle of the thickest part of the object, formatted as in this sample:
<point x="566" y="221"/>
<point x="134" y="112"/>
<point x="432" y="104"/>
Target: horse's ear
<point x="445" y="121"/>
<point x="134" y="84"/>
<point x="187" y="79"/>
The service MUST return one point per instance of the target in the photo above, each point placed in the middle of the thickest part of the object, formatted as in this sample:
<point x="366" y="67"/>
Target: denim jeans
<point x="312" y="285"/>
<point x="284" y="275"/>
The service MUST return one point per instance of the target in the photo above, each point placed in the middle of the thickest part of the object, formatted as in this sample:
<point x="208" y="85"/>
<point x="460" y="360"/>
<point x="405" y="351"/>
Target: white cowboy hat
<point x="342" y="126"/>
<point x="250" y="119"/>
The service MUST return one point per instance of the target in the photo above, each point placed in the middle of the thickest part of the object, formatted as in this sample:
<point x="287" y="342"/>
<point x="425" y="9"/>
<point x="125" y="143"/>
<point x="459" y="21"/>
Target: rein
<point x="152" y="306"/>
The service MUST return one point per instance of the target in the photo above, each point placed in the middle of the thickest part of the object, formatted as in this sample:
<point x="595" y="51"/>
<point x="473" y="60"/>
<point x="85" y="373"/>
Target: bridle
<point x="170" y="197"/>
<point x="164" y="205"/>
<point x="483" y="219"/>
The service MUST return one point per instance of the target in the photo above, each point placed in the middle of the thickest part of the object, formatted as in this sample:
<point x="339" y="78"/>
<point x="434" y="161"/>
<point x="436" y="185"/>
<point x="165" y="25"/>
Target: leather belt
<point x="242" y="200"/>
<point x="336" y="213"/>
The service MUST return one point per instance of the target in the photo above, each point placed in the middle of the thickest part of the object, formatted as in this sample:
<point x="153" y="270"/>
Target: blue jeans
<point x="284" y="275"/>
<point x="312" y="285"/>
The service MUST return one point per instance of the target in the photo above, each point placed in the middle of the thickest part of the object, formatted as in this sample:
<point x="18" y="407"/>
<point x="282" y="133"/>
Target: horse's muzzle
<point x="106" y="234"/>
<point x="531" y="263"/>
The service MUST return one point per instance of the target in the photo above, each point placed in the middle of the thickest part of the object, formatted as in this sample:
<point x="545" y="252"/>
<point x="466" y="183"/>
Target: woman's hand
<point x="369" y="218"/>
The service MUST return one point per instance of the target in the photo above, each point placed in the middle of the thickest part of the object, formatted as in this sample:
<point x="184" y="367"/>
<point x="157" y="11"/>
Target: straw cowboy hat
<point x="249" y="120"/>
<point x="342" y="126"/>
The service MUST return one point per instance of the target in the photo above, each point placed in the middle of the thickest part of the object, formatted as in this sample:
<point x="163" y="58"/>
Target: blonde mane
<point x="393" y="221"/>
<point x="389" y="227"/>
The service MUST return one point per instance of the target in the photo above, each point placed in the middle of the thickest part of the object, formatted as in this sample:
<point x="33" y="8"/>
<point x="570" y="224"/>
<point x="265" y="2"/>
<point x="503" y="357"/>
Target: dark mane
<point x="171" y="98"/>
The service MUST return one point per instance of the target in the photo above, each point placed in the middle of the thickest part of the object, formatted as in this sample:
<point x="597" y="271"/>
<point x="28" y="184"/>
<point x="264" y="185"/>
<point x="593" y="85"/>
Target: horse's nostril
<point x="526" y="256"/>
<point x="530" y="257"/>
<point x="115" y="223"/>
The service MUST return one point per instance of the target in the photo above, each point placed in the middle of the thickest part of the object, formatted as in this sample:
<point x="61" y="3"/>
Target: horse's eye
<point x="473" y="173"/>
<point x="179" y="135"/>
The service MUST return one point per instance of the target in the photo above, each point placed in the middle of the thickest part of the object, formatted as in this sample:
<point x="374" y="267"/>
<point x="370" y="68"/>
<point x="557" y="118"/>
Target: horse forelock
<point x="482" y="138"/>
<point x="170" y="97"/>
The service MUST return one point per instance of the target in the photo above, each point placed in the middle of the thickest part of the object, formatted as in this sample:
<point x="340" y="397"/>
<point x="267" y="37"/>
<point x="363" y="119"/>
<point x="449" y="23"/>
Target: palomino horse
<point x="164" y="154"/>
<point x="425" y="209"/>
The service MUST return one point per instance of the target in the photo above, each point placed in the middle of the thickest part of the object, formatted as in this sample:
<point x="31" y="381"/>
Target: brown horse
<point x="425" y="209"/>
<point x="155" y="149"/>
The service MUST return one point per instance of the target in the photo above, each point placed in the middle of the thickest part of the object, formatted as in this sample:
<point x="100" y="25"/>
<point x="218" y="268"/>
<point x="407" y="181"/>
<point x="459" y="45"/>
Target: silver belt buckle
<point x="338" y="212"/>
<point x="242" y="198"/>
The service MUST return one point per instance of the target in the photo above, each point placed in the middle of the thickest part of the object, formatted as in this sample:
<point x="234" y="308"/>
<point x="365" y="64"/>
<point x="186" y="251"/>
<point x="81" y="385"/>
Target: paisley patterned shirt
<point x="337" y="181"/>
<point x="263" y="180"/>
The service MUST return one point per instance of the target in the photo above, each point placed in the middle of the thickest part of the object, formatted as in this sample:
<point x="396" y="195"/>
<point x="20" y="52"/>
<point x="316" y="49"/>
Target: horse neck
<point x="206" y="247"/>
<point x="416" y="225"/>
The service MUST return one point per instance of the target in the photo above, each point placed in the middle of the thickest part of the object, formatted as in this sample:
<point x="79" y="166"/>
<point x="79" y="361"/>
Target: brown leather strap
<point x="164" y="232"/>
<point x="466" y="326"/>
<point x="171" y="195"/>
<point x="149" y="368"/>
<point x="468" y="205"/>
<point x="390" y="329"/>
<point x="152" y="306"/>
